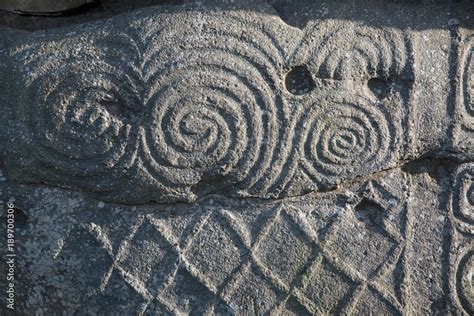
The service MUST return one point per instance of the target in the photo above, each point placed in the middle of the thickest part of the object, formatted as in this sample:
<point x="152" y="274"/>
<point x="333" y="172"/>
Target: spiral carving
<point x="361" y="131"/>
<point x="347" y="140"/>
<point x="215" y="106"/>
<point x="168" y="111"/>
<point x="80" y="124"/>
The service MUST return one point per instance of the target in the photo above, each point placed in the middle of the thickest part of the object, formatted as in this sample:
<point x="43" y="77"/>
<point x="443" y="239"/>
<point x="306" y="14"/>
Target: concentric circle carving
<point x="215" y="107"/>
<point x="347" y="139"/>
<point x="82" y="123"/>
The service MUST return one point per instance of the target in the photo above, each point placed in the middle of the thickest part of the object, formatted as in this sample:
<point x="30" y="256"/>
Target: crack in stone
<point x="422" y="165"/>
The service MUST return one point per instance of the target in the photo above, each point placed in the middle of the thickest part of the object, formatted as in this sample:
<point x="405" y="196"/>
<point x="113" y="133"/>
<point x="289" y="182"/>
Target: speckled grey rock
<point x="398" y="244"/>
<point x="243" y="159"/>
<point x="143" y="108"/>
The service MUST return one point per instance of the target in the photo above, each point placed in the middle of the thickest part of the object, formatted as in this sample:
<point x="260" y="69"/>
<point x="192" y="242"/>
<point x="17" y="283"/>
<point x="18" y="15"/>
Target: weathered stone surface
<point x="243" y="159"/>
<point x="400" y="244"/>
<point x="145" y="108"/>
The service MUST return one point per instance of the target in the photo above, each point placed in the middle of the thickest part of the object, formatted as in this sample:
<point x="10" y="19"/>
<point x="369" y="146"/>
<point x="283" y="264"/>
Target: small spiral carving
<point x="359" y="130"/>
<point x="346" y="140"/>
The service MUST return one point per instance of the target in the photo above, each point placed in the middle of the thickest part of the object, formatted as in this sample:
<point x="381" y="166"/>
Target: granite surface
<point x="240" y="157"/>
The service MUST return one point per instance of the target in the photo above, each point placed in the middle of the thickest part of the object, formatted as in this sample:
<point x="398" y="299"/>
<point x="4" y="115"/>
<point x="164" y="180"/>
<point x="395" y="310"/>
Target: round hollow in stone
<point x="299" y="81"/>
<point x="380" y="87"/>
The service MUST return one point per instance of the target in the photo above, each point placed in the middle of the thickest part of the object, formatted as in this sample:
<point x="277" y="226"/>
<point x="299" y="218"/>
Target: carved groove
<point x="168" y="113"/>
<point x="356" y="51"/>
<point x="462" y="196"/>
<point x="468" y="86"/>
<point x="81" y="134"/>
<point x="464" y="280"/>
<point x="346" y="139"/>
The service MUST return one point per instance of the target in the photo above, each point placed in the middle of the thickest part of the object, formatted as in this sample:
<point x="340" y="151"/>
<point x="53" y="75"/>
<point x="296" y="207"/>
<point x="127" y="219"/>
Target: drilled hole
<point x="299" y="81"/>
<point x="379" y="87"/>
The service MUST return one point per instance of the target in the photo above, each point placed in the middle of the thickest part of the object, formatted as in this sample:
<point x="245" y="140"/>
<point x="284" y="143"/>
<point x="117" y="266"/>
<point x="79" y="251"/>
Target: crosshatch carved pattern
<point x="179" y="114"/>
<point x="219" y="252"/>
<point x="338" y="252"/>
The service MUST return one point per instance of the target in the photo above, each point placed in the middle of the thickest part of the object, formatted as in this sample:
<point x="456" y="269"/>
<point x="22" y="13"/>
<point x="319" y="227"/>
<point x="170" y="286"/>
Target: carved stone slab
<point x="144" y="108"/>
<point x="243" y="159"/>
<point x="386" y="245"/>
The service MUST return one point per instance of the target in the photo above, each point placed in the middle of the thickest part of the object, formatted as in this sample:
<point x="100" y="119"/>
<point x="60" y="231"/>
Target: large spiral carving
<point x="176" y="110"/>
<point x="215" y="109"/>
<point x="172" y="110"/>
<point x="346" y="140"/>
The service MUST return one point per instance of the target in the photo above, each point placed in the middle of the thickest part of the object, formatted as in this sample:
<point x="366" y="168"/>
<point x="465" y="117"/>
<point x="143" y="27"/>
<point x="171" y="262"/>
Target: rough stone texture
<point x="243" y="159"/>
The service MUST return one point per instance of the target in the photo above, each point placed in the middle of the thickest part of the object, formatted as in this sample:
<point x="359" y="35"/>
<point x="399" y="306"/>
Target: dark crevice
<point x="437" y="168"/>
<point x="380" y="87"/>
<point x="299" y="81"/>
<point x="286" y="11"/>
<point x="96" y="10"/>
<point x="369" y="212"/>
